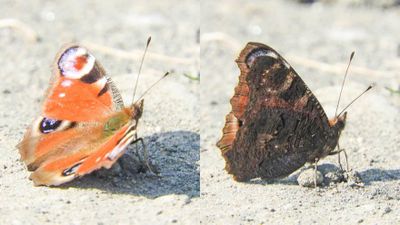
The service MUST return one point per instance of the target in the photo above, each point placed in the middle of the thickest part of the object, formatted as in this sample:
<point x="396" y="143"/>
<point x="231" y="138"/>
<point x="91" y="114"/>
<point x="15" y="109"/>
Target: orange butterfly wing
<point x="79" y="106"/>
<point x="77" y="102"/>
<point x="80" y="92"/>
<point x="83" y="157"/>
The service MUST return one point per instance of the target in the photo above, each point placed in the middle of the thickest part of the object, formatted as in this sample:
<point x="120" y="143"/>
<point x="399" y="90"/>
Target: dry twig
<point x="338" y="68"/>
<point x="134" y="55"/>
<point x="325" y="67"/>
<point x="221" y="37"/>
<point x="15" y="24"/>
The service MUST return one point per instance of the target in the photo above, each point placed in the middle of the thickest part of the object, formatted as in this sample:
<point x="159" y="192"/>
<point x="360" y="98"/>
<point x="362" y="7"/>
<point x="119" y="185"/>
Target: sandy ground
<point x="317" y="41"/>
<point x="170" y="125"/>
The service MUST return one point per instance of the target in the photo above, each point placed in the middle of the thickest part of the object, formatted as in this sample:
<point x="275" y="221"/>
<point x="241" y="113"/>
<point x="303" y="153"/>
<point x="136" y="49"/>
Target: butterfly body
<point x="83" y="125"/>
<point x="276" y="124"/>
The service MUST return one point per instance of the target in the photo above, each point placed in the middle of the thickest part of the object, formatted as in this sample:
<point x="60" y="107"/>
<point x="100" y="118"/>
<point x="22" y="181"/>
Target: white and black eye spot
<point x="76" y="62"/>
<point x="93" y="76"/>
<point x="259" y="52"/>
<point x="48" y="125"/>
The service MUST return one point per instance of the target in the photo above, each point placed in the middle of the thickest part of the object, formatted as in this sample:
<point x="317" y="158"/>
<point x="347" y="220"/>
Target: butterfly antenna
<point x="155" y="83"/>
<point x="140" y="67"/>
<point x="348" y="105"/>
<point x="344" y="80"/>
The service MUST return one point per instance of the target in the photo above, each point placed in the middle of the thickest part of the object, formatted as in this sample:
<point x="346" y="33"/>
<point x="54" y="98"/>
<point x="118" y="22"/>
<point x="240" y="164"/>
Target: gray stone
<point x="306" y="178"/>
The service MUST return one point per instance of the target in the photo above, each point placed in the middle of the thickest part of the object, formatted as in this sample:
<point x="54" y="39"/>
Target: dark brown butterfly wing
<point x="276" y="124"/>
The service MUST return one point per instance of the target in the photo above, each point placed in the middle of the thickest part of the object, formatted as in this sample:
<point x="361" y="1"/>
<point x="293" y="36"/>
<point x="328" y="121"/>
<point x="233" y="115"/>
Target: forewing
<point x="79" y="89"/>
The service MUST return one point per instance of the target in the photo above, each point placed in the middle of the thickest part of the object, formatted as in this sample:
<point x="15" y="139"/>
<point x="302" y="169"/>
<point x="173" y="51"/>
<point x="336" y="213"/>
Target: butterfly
<point x="276" y="124"/>
<point x="83" y="125"/>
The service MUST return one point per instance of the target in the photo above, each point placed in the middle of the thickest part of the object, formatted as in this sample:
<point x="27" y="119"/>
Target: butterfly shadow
<point x="375" y="175"/>
<point x="174" y="155"/>
<point x="292" y="178"/>
<point x="289" y="180"/>
<point x="367" y="176"/>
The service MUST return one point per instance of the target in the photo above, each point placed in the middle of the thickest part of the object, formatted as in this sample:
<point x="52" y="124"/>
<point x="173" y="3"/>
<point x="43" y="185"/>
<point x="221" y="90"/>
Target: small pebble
<point x="387" y="210"/>
<point x="306" y="178"/>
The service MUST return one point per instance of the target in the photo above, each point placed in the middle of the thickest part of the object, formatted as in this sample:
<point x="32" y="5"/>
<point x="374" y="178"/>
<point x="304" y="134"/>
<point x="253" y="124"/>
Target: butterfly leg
<point x="145" y="154"/>
<point x="338" y="153"/>
<point x="315" y="172"/>
<point x="345" y="157"/>
<point x="136" y="147"/>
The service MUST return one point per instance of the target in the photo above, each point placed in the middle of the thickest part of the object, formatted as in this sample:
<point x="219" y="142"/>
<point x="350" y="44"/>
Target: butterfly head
<point x="338" y="123"/>
<point x="137" y="109"/>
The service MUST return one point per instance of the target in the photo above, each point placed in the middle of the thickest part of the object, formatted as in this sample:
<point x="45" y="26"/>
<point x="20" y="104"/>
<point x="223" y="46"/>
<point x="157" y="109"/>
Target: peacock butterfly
<point x="83" y="125"/>
<point x="276" y="124"/>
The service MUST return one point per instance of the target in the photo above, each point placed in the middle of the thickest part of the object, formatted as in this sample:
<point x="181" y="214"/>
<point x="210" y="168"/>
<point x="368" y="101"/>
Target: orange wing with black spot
<point x="68" y="139"/>
<point x="80" y="90"/>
